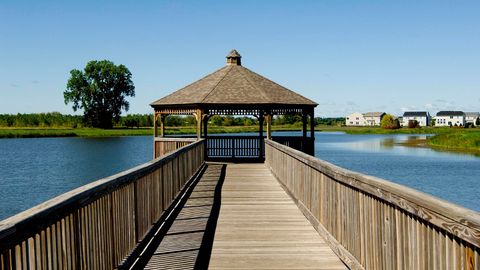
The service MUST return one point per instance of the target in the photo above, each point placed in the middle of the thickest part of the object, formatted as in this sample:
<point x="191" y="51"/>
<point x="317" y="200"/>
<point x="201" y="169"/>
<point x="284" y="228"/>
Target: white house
<point x="373" y="118"/>
<point x="423" y="118"/>
<point x="364" y="119"/>
<point x="471" y="117"/>
<point x="450" y="118"/>
<point x="355" y="119"/>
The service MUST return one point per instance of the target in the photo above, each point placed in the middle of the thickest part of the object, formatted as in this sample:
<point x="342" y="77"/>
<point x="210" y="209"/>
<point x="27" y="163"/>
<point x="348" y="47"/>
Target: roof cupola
<point x="234" y="58"/>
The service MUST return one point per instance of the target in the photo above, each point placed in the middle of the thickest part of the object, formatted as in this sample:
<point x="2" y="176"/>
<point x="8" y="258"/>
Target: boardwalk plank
<point x="258" y="227"/>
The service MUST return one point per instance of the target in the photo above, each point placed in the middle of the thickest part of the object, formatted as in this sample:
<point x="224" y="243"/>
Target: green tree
<point x="389" y="122"/>
<point x="100" y="91"/>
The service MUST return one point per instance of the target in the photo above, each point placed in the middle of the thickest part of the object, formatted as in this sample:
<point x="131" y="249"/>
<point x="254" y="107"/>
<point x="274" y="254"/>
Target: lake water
<point x="35" y="170"/>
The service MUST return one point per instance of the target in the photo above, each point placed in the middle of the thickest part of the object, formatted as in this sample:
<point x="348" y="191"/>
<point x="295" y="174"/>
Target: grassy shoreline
<point x="97" y="132"/>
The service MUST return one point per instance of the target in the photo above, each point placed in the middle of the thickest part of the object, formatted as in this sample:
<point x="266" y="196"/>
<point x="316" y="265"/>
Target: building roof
<point x="373" y="114"/>
<point x="407" y="114"/>
<point x="450" y="113"/>
<point x="233" y="84"/>
<point x="472" y="114"/>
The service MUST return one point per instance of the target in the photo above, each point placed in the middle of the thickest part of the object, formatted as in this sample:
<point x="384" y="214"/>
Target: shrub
<point x="413" y="124"/>
<point x="390" y="122"/>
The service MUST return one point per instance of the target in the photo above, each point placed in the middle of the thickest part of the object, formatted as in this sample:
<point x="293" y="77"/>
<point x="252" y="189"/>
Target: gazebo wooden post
<point x="205" y="125"/>
<point x="205" y="134"/>
<point x="269" y="125"/>
<point x="162" y="125"/>
<point x="155" y="127"/>
<point x="312" y="124"/>
<point x="312" y="132"/>
<point x="198" y="117"/>
<point x="260" y="131"/>
<point x="304" y="129"/>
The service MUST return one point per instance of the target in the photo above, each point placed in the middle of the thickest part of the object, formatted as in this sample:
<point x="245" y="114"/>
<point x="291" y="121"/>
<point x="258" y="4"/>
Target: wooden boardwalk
<point x="251" y="224"/>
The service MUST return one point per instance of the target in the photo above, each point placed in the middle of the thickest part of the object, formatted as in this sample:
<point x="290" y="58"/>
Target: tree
<point x="100" y="91"/>
<point x="390" y="122"/>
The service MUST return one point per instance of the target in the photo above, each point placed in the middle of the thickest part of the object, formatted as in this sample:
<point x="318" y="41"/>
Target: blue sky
<point x="346" y="55"/>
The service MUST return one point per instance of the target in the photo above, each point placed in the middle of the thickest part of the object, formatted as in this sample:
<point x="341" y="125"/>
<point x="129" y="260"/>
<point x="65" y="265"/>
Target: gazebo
<point x="234" y="90"/>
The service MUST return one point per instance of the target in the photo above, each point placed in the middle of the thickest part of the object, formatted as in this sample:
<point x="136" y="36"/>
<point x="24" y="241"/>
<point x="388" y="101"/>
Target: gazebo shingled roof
<point x="235" y="90"/>
<point x="235" y="85"/>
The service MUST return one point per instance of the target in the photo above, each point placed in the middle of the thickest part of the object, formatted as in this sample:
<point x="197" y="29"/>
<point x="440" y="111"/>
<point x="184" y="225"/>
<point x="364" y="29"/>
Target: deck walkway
<point x="239" y="217"/>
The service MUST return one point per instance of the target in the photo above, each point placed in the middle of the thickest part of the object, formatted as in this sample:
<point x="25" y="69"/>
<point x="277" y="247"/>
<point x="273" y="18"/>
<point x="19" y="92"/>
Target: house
<point x="400" y="120"/>
<point x="450" y="118"/>
<point x="471" y="117"/>
<point x="423" y="118"/>
<point x="364" y="119"/>
<point x="373" y="118"/>
<point x="355" y="119"/>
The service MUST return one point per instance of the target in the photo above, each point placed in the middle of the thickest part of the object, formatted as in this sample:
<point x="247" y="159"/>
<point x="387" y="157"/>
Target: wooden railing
<point x="296" y="142"/>
<point x="234" y="147"/>
<point x="376" y="224"/>
<point x="165" y="145"/>
<point x="97" y="225"/>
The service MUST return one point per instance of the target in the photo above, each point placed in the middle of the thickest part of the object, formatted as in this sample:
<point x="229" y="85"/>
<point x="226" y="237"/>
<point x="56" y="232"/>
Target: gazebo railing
<point x="234" y="147"/>
<point x="298" y="143"/>
<point x="250" y="148"/>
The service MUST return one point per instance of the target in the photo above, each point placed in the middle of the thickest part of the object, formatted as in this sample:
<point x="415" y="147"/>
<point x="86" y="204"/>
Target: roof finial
<point x="234" y="58"/>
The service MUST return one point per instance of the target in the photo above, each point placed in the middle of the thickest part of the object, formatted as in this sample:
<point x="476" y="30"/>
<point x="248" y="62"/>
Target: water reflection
<point x="403" y="159"/>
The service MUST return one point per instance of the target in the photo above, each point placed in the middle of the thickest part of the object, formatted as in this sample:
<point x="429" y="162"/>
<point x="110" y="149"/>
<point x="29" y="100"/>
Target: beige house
<point x="373" y="118"/>
<point x="355" y="119"/>
<point x="364" y="119"/>
<point x="471" y="117"/>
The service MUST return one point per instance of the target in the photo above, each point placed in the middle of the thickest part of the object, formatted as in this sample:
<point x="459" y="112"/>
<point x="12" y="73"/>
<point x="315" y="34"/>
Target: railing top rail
<point x="233" y="137"/>
<point x="176" y="139"/>
<point x="463" y="222"/>
<point x="37" y="216"/>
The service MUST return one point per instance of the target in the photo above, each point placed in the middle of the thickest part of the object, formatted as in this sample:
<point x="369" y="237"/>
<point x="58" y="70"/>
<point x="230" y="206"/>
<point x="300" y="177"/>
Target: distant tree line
<point x="330" y="121"/>
<point x="58" y="120"/>
<point x="53" y="119"/>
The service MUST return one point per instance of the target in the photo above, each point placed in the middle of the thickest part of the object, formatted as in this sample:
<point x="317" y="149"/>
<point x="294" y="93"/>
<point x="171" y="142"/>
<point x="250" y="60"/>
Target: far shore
<point x="444" y="138"/>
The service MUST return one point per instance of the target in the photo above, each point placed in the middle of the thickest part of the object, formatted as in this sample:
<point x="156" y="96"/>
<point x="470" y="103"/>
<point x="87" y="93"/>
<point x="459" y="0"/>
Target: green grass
<point x="379" y="130"/>
<point x="96" y="132"/>
<point x="456" y="141"/>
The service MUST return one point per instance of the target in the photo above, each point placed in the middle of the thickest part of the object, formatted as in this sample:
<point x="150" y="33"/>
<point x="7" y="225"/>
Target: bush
<point x="390" y="122"/>
<point x="413" y="124"/>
